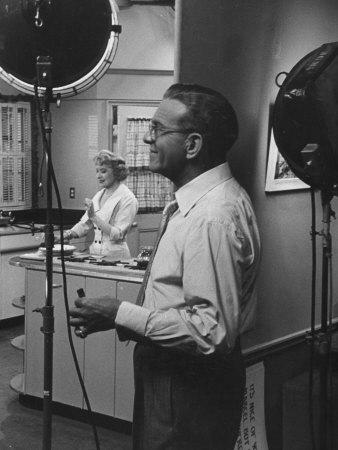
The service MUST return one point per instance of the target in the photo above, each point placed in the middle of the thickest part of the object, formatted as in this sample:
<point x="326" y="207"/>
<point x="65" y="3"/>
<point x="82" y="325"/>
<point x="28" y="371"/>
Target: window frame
<point x="22" y="161"/>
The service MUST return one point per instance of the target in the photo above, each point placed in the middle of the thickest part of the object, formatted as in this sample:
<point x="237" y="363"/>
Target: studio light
<point x="80" y="37"/>
<point x="305" y="126"/>
<point x="305" y="121"/>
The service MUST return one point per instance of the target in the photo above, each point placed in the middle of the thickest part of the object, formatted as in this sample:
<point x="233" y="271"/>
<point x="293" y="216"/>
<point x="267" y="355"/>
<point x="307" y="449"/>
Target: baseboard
<point x="82" y="415"/>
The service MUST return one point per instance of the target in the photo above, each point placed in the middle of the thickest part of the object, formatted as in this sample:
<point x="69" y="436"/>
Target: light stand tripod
<point x="324" y="334"/>
<point x="322" y="337"/>
<point x="44" y="77"/>
<point x="321" y="179"/>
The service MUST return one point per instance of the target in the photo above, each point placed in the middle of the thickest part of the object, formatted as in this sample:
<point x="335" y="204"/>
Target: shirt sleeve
<point x="83" y="226"/>
<point x="209" y="318"/>
<point x="123" y="218"/>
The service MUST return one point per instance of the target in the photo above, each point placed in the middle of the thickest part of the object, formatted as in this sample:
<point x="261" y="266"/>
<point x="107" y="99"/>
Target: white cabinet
<point x="106" y="363"/>
<point x="124" y="377"/>
<point x="99" y="366"/>
<point x="66" y="388"/>
<point x="13" y="280"/>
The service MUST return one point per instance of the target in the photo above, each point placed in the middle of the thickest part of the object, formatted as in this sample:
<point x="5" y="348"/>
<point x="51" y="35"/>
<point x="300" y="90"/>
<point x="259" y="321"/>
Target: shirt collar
<point x="189" y="194"/>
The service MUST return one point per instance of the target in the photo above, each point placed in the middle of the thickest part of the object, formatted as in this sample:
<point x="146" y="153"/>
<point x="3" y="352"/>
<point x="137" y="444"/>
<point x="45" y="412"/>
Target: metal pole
<point x="48" y="310"/>
<point x="44" y="76"/>
<point x="324" y="351"/>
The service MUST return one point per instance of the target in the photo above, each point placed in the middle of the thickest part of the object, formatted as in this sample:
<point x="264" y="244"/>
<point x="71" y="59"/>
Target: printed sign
<point x="252" y="434"/>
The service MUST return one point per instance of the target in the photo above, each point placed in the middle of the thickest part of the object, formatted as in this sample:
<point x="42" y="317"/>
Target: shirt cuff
<point x="132" y="317"/>
<point x="79" y="229"/>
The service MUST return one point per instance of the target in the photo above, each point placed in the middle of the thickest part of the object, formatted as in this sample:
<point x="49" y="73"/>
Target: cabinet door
<point x="12" y="278"/>
<point x="12" y="286"/>
<point x="124" y="378"/>
<point x="66" y="387"/>
<point x="99" y="372"/>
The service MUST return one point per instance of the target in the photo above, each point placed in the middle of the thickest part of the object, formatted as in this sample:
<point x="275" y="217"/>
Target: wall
<point x="147" y="38"/>
<point x="238" y="47"/>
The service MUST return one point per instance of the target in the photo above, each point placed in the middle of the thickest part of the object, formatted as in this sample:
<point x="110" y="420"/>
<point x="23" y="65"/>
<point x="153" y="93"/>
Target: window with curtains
<point x="152" y="190"/>
<point x="15" y="155"/>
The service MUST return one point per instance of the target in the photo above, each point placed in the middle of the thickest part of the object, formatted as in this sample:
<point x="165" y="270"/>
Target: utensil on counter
<point x="143" y="257"/>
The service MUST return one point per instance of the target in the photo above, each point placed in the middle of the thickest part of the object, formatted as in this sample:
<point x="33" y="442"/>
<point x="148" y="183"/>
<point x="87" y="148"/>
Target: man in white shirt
<point x="200" y="294"/>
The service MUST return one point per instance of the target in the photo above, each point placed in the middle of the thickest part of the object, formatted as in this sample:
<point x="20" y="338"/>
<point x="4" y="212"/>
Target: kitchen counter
<point x="106" y="363"/>
<point x="116" y="272"/>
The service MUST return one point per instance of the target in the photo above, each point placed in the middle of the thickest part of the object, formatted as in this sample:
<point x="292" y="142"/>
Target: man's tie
<point x="167" y="213"/>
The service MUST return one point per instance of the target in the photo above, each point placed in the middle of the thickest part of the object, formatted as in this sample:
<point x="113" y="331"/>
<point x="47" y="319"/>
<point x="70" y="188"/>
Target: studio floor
<point x="21" y="428"/>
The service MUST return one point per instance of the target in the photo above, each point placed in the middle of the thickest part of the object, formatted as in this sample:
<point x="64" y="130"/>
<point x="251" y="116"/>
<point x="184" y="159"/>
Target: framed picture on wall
<point x="279" y="176"/>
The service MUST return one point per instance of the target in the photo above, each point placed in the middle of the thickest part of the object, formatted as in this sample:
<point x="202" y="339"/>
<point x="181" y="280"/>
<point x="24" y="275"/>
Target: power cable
<point x="64" y="275"/>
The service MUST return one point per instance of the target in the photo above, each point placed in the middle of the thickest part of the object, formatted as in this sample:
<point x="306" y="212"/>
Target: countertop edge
<point x="79" y="269"/>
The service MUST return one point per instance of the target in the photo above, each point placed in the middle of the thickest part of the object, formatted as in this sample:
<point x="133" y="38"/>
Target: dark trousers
<point x="185" y="402"/>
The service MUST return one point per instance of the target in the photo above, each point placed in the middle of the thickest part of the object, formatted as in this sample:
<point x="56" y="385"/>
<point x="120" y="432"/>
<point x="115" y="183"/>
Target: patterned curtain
<point x="152" y="190"/>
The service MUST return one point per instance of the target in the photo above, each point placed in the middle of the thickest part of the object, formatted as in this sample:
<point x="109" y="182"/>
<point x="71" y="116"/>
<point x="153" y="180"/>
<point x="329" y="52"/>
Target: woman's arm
<point x="121" y="219"/>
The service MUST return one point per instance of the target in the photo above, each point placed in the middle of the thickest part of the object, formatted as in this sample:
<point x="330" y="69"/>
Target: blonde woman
<point x="110" y="212"/>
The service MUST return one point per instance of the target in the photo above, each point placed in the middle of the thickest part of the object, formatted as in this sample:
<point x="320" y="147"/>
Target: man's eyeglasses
<point x="155" y="131"/>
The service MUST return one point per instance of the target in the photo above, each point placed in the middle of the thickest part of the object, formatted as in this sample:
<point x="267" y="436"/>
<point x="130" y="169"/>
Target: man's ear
<point x="193" y="145"/>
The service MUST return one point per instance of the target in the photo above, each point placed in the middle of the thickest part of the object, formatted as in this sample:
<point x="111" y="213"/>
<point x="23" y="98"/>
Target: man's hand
<point x="90" y="315"/>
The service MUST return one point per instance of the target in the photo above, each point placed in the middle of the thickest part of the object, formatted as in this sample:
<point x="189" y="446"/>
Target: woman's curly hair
<point x="117" y="163"/>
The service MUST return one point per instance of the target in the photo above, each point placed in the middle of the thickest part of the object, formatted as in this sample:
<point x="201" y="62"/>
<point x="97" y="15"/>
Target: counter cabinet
<point x="12" y="282"/>
<point x="13" y="242"/>
<point x="105" y="362"/>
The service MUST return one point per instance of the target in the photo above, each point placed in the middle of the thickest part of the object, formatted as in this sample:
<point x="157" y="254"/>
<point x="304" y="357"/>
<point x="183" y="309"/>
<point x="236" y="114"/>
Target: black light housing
<point x="305" y="118"/>
<point x="79" y="36"/>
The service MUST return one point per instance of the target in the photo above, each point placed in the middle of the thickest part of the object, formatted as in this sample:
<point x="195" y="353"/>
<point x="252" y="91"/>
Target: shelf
<point x="17" y="383"/>
<point x="19" y="342"/>
<point x="19" y="302"/>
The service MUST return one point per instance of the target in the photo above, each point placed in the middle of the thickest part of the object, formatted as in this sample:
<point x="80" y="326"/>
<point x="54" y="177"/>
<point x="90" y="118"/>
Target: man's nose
<point x="147" y="139"/>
